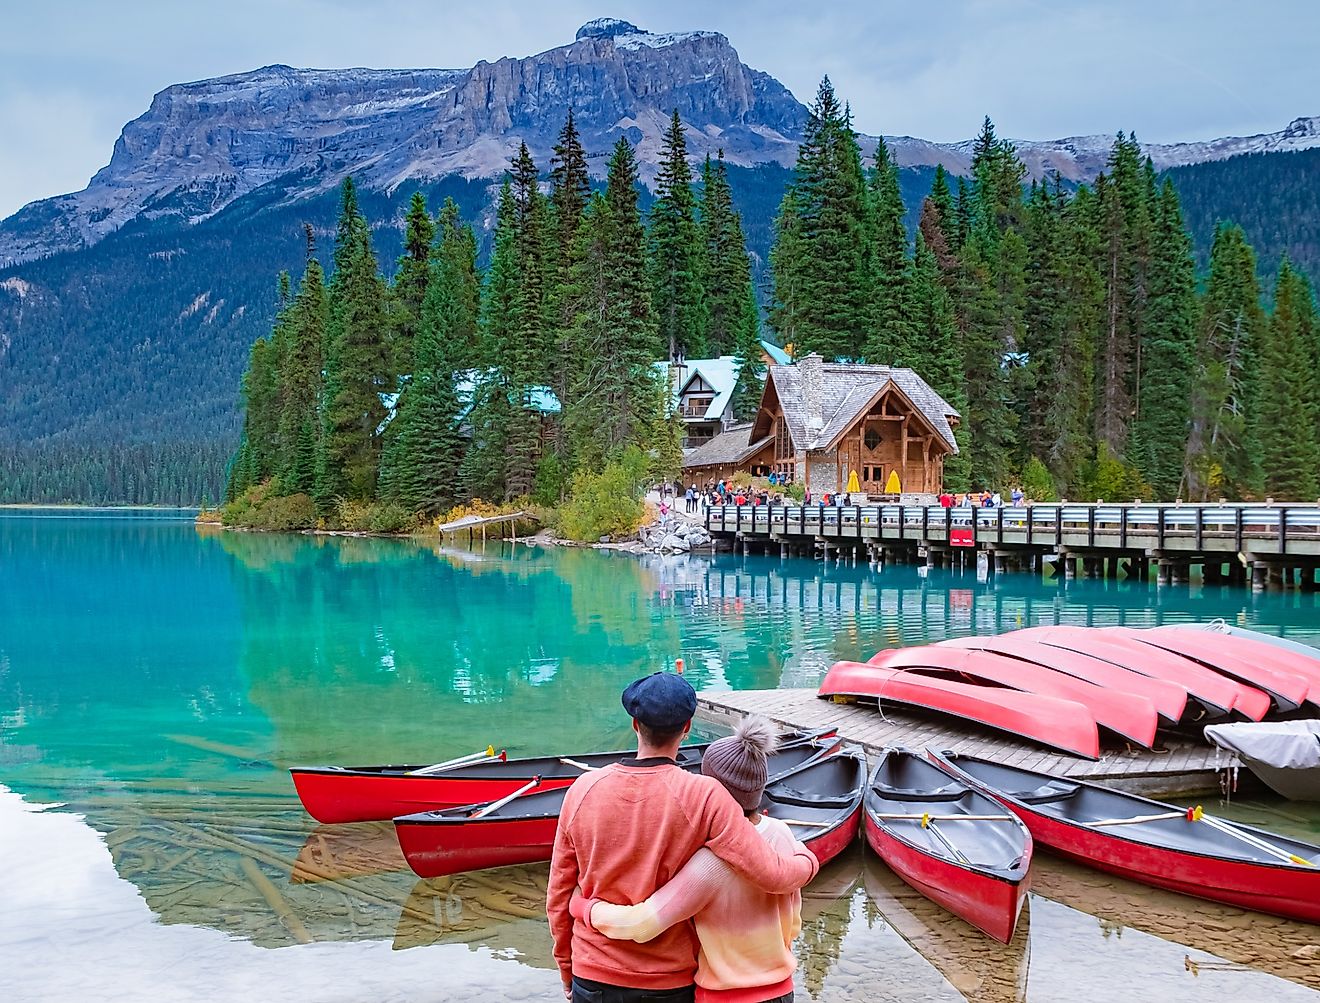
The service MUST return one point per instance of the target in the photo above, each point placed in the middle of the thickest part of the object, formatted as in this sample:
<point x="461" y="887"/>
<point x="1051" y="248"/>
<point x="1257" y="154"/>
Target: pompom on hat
<point x="739" y="761"/>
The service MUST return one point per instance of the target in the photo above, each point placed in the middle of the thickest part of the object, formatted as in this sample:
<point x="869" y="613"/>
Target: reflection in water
<point x="975" y="965"/>
<point x="157" y="683"/>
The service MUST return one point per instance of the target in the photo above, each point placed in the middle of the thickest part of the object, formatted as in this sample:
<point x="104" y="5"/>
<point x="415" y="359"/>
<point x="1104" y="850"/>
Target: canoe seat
<point x="1045" y="794"/>
<point x="806" y="799"/>
<point x="949" y="792"/>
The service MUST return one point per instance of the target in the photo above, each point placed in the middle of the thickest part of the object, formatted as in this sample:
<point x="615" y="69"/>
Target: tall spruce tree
<point x="1223" y="455"/>
<point x="890" y="339"/>
<point x="822" y="275"/>
<point x="570" y="188"/>
<point x="732" y="316"/>
<point x="300" y="377"/>
<point x="420" y="465"/>
<point x="1286" y="409"/>
<point x="1167" y="350"/>
<point x="410" y="279"/>
<point x="358" y="363"/>
<point x="940" y="364"/>
<point x="674" y="252"/>
<point x="613" y="339"/>
<point x="1122" y="198"/>
<point x="525" y="358"/>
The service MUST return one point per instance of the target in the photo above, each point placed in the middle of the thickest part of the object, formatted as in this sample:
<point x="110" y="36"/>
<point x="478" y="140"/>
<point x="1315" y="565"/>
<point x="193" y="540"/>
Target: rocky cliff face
<point x="202" y="145"/>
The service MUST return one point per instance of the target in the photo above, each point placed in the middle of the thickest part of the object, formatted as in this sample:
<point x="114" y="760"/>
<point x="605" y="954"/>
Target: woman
<point x="746" y="935"/>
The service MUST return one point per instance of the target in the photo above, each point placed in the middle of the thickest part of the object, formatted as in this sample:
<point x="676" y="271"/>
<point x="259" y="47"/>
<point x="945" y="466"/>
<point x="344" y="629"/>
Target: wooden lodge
<point x="819" y="422"/>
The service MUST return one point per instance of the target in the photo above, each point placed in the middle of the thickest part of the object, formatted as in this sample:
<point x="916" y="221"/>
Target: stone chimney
<point x="812" y="369"/>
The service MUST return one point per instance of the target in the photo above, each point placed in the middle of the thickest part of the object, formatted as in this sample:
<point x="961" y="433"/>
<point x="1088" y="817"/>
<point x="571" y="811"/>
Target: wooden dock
<point x="1179" y="766"/>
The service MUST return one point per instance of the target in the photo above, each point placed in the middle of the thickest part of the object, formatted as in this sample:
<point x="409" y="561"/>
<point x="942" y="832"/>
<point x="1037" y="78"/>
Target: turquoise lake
<point x="156" y="681"/>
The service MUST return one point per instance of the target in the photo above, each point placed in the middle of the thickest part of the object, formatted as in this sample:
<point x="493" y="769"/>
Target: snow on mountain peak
<point x="607" y="27"/>
<point x="629" y="37"/>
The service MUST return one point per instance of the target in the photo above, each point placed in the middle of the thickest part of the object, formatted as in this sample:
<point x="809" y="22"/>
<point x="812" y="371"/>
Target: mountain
<point x="202" y="146"/>
<point x="127" y="309"/>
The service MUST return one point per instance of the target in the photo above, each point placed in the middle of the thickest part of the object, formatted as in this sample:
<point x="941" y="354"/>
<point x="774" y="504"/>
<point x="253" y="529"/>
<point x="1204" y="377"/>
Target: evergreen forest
<point x="1145" y="335"/>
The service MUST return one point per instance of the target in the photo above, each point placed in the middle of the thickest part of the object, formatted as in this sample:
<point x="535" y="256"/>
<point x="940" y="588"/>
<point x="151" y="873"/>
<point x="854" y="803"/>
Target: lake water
<point x="156" y="681"/>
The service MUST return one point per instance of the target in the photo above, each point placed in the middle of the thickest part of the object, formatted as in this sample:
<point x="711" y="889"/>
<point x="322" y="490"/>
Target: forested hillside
<point x="1274" y="197"/>
<point x="141" y="338"/>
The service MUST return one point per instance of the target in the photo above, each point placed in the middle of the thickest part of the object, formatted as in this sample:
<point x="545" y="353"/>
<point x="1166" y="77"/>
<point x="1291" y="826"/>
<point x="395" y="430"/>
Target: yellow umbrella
<point x="893" y="486"/>
<point x="852" y="482"/>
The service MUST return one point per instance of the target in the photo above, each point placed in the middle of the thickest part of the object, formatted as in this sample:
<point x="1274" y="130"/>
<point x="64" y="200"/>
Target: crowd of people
<point x="670" y="886"/>
<point x="981" y="499"/>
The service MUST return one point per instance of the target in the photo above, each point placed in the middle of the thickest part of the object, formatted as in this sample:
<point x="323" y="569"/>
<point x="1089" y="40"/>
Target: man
<point x="625" y="830"/>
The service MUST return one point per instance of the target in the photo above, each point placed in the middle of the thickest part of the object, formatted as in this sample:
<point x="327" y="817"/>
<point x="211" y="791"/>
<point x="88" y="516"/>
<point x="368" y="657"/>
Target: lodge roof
<point x="846" y="390"/>
<point x="730" y="447"/>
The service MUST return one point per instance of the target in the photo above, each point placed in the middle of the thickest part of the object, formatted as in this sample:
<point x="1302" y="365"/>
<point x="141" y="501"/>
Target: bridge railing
<point x="1105" y="525"/>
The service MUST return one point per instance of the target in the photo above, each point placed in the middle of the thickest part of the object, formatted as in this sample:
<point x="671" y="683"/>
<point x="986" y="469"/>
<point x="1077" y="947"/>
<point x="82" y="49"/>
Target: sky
<point x="73" y="72"/>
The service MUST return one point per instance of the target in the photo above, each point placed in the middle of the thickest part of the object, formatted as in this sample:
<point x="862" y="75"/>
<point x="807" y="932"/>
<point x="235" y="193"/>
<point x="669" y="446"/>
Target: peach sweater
<point x="625" y="831"/>
<point x="746" y="935"/>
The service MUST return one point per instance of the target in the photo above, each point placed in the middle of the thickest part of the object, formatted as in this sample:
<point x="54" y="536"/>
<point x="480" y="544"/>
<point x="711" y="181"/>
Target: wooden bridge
<point x="1276" y="543"/>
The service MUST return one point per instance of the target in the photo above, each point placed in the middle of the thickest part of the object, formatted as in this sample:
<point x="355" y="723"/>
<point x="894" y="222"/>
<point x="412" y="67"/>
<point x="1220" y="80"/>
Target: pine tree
<point x="1168" y="331"/>
<point x="301" y="377"/>
<point x="1123" y="203"/>
<point x="940" y="361"/>
<point x="732" y="315"/>
<point x="1222" y="450"/>
<point x="410" y="279"/>
<point x="570" y="188"/>
<point x="890" y="341"/>
<point x="613" y="338"/>
<point x="358" y="366"/>
<point x="525" y="358"/>
<point x="1286" y="408"/>
<point x="823" y="287"/>
<point x="420" y="463"/>
<point x="674" y="252"/>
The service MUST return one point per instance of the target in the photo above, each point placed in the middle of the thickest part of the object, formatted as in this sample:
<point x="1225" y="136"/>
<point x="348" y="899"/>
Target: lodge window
<point x="873" y="474"/>
<point x="872" y="438"/>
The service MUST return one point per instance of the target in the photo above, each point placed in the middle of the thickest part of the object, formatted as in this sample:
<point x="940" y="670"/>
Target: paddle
<point x="573" y="762"/>
<point x="1190" y="814"/>
<point x="486" y="755"/>
<point x="927" y="818"/>
<point x="926" y="823"/>
<point x="497" y="805"/>
<point x="1258" y="843"/>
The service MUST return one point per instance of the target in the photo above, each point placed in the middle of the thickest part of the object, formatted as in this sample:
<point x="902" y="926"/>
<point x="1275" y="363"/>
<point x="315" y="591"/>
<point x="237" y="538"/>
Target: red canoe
<point x="1250" y="663"/>
<point x="1170" y="699"/>
<point x="1060" y="724"/>
<point x="436" y="843"/>
<point x="333" y="794"/>
<point x="1218" y="694"/>
<point x="976" y="867"/>
<point x="1207" y="857"/>
<point x="1126" y="714"/>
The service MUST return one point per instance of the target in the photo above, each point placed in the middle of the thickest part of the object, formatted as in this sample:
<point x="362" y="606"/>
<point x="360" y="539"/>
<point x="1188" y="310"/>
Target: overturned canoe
<point x="333" y="794"/>
<point x="1250" y="650"/>
<point x="521" y="831"/>
<point x="1059" y="724"/>
<point x="1127" y="714"/>
<point x="1217" y="694"/>
<point x="1169" y="698"/>
<point x="1183" y="850"/>
<point x="1248" y="663"/>
<point x="949" y="841"/>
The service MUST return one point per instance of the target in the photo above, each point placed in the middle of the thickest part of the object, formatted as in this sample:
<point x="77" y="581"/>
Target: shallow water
<point x="154" y="683"/>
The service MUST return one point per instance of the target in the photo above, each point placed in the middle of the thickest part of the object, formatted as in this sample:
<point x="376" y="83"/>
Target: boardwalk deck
<point x="1179" y="766"/>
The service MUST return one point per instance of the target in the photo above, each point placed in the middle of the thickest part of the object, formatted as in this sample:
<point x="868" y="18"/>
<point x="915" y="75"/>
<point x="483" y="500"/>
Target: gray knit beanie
<point x="739" y="761"/>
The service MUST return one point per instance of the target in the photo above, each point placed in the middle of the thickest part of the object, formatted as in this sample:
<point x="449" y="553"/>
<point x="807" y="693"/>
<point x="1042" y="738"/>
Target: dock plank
<point x="1185" y="767"/>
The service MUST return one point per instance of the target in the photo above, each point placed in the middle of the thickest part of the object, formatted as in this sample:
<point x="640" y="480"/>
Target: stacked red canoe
<point x="1070" y="687"/>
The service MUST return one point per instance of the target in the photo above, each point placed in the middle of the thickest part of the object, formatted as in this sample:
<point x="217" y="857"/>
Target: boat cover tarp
<point x="1290" y="745"/>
